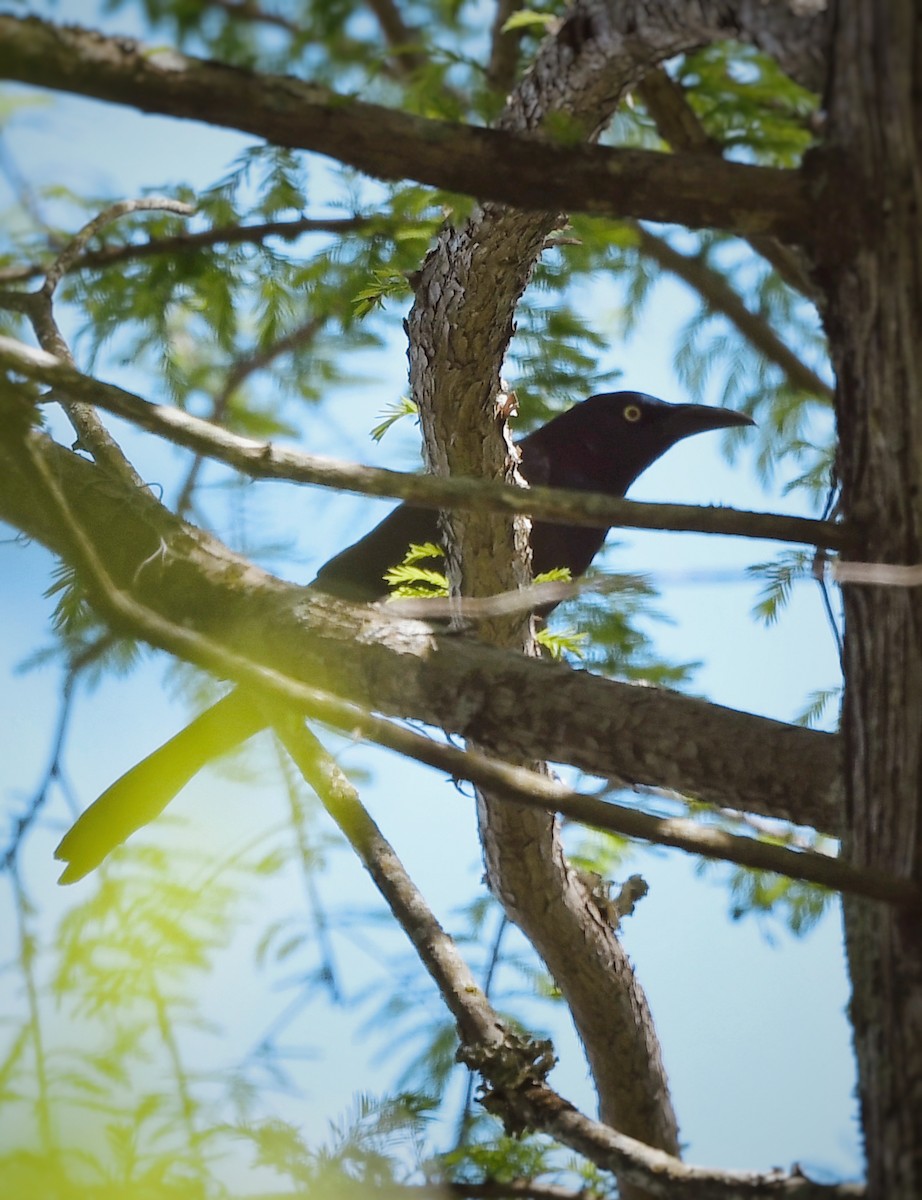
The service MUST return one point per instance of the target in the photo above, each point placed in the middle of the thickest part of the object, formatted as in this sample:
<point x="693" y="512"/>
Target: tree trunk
<point x="875" y="324"/>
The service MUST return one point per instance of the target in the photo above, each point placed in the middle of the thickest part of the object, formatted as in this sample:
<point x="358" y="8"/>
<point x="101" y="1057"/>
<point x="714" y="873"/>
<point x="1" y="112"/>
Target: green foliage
<point x="366" y="1149"/>
<point x="748" y="105"/>
<point x="775" y="898"/>
<point x="817" y="705"/>
<point x="528" y="19"/>
<point x="780" y="577"/>
<point x="404" y="407"/>
<point x="410" y="580"/>
<point x="385" y="285"/>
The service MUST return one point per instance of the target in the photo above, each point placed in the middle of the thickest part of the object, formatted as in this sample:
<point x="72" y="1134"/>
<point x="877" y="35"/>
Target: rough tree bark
<point x="873" y="278"/>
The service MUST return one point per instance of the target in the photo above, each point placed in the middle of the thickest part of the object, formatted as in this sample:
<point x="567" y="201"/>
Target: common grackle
<point x="601" y="445"/>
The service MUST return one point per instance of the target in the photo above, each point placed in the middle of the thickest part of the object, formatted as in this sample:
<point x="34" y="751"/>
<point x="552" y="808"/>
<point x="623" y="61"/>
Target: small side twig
<point x="91" y="433"/>
<point x="75" y="247"/>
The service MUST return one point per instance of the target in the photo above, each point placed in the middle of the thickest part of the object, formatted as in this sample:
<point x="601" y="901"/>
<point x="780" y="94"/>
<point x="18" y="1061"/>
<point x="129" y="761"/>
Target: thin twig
<point x="185" y="243"/>
<point x="258" y="360"/>
<point x="248" y="10"/>
<point x="122" y="208"/>
<point x="513" y="1066"/>
<point x="91" y="433"/>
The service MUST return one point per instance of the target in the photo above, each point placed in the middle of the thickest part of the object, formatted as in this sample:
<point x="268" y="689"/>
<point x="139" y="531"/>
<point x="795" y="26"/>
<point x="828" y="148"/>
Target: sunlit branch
<point x="513" y="1066"/>
<point x="490" y="1046"/>
<point x="263" y="460"/>
<point x="406" y="669"/>
<point x="459" y="989"/>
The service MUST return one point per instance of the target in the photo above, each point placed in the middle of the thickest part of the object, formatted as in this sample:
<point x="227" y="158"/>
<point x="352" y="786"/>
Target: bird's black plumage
<point x="601" y="445"/>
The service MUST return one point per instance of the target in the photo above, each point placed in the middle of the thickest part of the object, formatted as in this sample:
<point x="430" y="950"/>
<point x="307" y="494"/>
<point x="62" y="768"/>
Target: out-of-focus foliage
<point x="256" y="313"/>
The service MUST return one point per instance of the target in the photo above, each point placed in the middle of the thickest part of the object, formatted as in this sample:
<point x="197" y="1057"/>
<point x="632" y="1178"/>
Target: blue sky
<point x="753" y="1028"/>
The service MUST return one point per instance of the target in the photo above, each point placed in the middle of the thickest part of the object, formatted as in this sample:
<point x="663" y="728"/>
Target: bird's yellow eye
<point x="632" y="413"/>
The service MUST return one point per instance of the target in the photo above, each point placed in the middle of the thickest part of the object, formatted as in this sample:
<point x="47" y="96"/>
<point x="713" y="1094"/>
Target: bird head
<point x="604" y="443"/>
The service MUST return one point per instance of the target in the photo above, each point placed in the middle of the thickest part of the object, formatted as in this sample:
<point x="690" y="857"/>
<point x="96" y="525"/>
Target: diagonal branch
<point x="488" y="163"/>
<point x="719" y="296"/>
<point x="459" y="329"/>
<point x="247" y="10"/>
<point x="533" y="789"/>
<point x="401" y="39"/>
<point x="38" y="306"/>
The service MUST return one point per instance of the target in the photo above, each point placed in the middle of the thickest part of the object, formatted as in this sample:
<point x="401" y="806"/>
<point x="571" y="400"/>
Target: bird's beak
<point x="689" y="419"/>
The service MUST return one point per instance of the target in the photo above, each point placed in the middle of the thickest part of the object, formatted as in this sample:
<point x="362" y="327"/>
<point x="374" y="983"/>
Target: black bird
<point x="601" y="445"/>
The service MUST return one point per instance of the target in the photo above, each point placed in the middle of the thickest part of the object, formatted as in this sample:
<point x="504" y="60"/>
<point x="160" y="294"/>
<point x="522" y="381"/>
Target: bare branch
<point x="77" y="244"/>
<point x="514" y="1066"/>
<point x="527" y="787"/>
<point x="264" y="460"/>
<point x="463" y="996"/>
<point x="490" y="1046"/>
